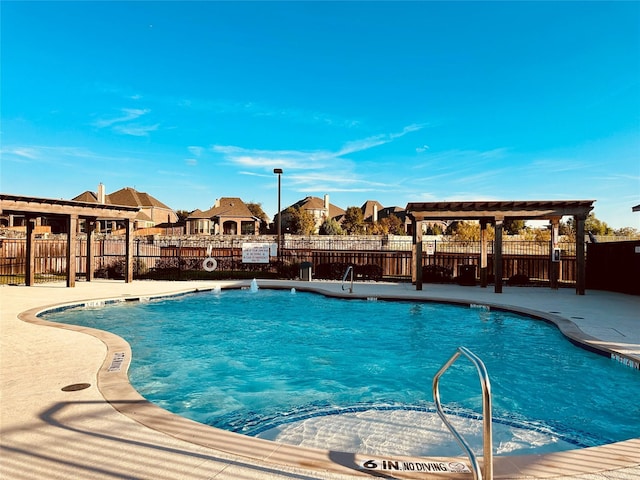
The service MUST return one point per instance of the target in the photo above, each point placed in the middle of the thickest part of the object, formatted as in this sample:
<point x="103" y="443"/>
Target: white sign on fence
<point x="255" y="252"/>
<point x="431" y="248"/>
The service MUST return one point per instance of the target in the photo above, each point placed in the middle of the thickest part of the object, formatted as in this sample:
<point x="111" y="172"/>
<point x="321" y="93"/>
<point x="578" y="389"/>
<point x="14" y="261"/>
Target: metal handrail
<point x="344" y="278"/>
<point x="487" y="441"/>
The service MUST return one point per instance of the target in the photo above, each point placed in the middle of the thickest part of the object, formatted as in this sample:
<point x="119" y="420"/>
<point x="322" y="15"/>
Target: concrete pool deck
<point x="48" y="433"/>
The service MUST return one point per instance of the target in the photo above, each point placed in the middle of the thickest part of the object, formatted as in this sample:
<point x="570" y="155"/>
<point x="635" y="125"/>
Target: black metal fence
<point x="375" y="257"/>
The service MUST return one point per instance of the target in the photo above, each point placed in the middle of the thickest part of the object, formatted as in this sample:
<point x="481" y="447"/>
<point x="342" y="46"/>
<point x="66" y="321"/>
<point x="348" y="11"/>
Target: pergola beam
<point x="483" y="210"/>
<point x="46" y="207"/>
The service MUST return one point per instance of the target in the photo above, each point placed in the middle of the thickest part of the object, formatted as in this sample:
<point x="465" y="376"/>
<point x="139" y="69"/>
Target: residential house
<point x="370" y="211"/>
<point x="399" y="212"/>
<point x="152" y="211"/>
<point x="229" y="216"/>
<point x="320" y="208"/>
<point x="373" y="211"/>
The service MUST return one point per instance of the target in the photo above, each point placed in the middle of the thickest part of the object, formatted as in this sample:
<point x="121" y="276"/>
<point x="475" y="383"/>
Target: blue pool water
<point x="356" y="374"/>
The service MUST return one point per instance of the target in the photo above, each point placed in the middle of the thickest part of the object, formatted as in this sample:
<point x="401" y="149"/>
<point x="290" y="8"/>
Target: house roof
<point x="127" y="196"/>
<point x="130" y="196"/>
<point x="310" y="203"/>
<point x="86" y="197"/>
<point x="399" y="212"/>
<point x="225" y="207"/>
<point x="197" y="213"/>
<point x="368" y="207"/>
<point x="315" y="203"/>
<point x="335" y="212"/>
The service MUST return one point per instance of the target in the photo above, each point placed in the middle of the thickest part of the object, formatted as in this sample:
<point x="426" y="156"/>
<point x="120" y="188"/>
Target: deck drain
<point x="578" y="318"/>
<point x="75" y="386"/>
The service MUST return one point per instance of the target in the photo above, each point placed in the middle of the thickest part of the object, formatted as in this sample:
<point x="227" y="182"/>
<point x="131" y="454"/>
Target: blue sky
<point x="391" y="101"/>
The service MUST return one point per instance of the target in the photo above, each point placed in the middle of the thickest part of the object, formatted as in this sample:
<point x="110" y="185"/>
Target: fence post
<point x="497" y="255"/>
<point x="128" y="269"/>
<point x="417" y="252"/>
<point x="72" y="227"/>
<point x="179" y="258"/>
<point x="90" y="266"/>
<point x="554" y="264"/>
<point x="30" y="264"/>
<point x="580" y="256"/>
<point x="483" y="253"/>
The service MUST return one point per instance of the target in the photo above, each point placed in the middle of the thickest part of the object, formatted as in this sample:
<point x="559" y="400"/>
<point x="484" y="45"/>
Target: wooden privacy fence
<point x="49" y="254"/>
<point x="614" y="266"/>
<point x="391" y="257"/>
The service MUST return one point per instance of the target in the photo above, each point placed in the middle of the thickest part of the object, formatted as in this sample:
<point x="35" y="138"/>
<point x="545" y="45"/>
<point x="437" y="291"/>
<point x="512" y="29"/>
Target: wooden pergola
<point x="71" y="212"/>
<point x="495" y="212"/>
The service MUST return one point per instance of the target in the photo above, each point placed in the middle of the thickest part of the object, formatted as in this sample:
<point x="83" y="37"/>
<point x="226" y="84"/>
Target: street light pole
<point x="278" y="171"/>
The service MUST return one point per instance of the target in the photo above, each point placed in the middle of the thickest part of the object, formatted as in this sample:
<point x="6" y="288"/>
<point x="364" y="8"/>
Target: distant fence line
<point x="391" y="256"/>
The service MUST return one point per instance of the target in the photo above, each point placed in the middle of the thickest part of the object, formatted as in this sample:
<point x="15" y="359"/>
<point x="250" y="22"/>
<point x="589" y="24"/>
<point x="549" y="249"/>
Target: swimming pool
<point x="359" y="364"/>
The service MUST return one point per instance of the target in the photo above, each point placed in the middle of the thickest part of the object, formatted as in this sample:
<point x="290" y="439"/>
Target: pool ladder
<point x="344" y="278"/>
<point x="487" y="442"/>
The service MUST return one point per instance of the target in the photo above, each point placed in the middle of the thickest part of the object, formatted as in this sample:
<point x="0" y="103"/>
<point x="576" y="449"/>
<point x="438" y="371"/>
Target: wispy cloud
<point x="486" y="176"/>
<point x="128" y="114"/>
<point x="307" y="170"/>
<point x="63" y="156"/>
<point x="136" y="130"/>
<point x="558" y="165"/>
<point x="267" y="159"/>
<point x="310" y="183"/>
<point x="496" y="153"/>
<point x="459" y="157"/>
<point x="59" y="155"/>
<point x="122" y="123"/>
<point x="20" y="153"/>
<point x="376" y="140"/>
<point x="613" y="177"/>
<point x="257" y="110"/>
<point x="195" y="150"/>
<point x="303" y="160"/>
<point x="196" y="153"/>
